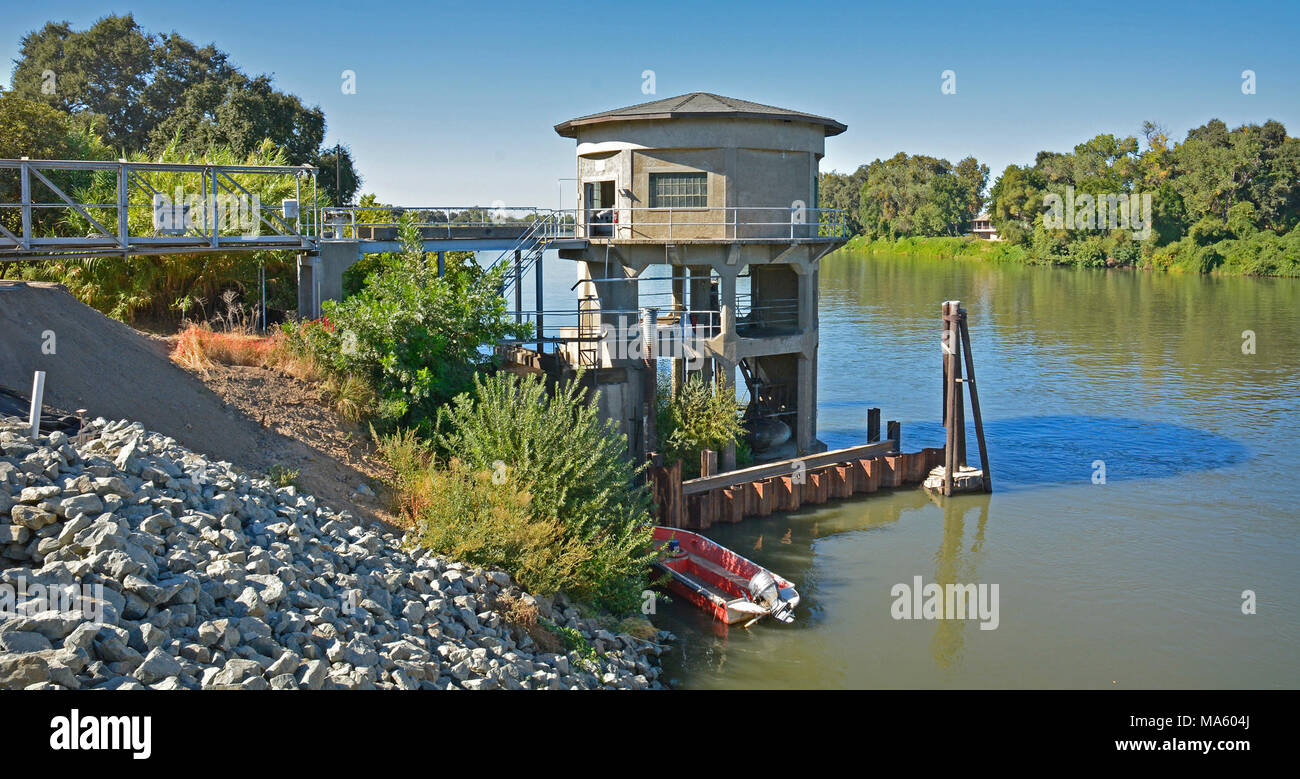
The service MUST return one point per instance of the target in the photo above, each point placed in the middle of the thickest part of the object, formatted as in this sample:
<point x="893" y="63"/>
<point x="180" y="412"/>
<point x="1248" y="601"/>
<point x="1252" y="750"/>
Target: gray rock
<point x="210" y="578"/>
<point x="237" y="670"/>
<point x="23" y="641"/>
<point x="18" y="671"/>
<point x="54" y="625"/>
<point x="286" y="664"/>
<point x="284" y="682"/>
<point x="157" y="665"/>
<point x="31" y="517"/>
<point x="89" y="503"/>
<point x="314" y="674"/>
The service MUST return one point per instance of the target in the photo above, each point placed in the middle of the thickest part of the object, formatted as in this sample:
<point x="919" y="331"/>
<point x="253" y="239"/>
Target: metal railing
<point x="383" y="223"/>
<point x="191" y="208"/>
<point x="720" y="223"/>
<point x="723" y="223"/>
<point x="591" y="336"/>
<point x="213" y="193"/>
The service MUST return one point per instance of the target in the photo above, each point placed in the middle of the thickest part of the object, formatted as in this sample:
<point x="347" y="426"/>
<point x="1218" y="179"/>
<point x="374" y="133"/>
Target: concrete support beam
<point x="308" y="290"/>
<point x="805" y="426"/>
<point x="727" y="385"/>
<point x="727" y="367"/>
<point x="323" y="276"/>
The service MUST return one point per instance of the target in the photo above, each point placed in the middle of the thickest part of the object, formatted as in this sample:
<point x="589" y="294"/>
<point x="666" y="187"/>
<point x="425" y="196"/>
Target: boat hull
<point x="715" y="578"/>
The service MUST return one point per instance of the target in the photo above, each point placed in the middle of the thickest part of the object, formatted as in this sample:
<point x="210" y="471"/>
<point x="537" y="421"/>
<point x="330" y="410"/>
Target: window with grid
<point x="679" y="190"/>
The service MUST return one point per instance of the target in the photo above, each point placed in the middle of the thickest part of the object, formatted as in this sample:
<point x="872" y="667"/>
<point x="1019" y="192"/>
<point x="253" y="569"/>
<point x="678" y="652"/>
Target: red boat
<point x="730" y="587"/>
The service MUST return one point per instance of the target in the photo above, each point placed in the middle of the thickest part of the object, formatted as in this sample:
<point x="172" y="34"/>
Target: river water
<point x="1133" y="582"/>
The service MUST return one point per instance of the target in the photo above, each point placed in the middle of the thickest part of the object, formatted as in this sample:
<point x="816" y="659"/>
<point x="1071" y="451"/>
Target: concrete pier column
<point x="805" y="426"/>
<point x="805" y="422"/>
<point x="727" y="301"/>
<point x="727" y="385"/>
<point x="807" y="298"/>
<point x="727" y="368"/>
<point x="308" y="291"/>
<point x="678" y="375"/>
<point x="701" y="287"/>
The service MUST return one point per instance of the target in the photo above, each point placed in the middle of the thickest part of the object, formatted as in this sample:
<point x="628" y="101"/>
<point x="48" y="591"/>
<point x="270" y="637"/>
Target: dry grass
<point x="525" y="618"/>
<point x="353" y="397"/>
<point x="199" y="346"/>
<point x="284" y="357"/>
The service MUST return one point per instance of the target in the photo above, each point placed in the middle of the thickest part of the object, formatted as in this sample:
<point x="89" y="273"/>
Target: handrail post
<point x="123" y="192"/>
<point x="26" y="187"/>
<point x="212" y="209"/>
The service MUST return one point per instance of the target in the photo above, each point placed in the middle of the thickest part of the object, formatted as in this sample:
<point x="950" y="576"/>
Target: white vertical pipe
<point x="38" y="395"/>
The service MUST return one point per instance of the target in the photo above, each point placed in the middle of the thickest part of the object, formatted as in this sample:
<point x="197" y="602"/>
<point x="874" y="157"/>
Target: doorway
<point x="598" y="203"/>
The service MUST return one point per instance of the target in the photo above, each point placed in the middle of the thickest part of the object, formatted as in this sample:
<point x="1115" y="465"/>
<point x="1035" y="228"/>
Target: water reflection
<point x="953" y="565"/>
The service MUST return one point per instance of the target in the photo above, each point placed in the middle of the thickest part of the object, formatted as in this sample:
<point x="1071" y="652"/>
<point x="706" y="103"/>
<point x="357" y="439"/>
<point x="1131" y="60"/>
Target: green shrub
<point x="573" y="467"/>
<point x="1209" y="229"/>
<point x="698" y="417"/>
<point x="417" y="340"/>
<point x="472" y="515"/>
<point x="1242" y="220"/>
<point x="282" y="476"/>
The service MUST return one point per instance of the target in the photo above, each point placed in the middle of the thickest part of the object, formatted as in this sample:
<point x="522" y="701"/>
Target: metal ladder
<point x="589" y="333"/>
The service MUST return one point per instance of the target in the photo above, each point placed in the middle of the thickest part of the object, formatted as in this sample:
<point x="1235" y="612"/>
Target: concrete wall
<point x="320" y="278"/>
<point x="751" y="163"/>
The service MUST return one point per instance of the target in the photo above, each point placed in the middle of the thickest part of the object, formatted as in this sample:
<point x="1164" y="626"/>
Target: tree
<point x="973" y="177"/>
<point x="104" y="70"/>
<point x="417" y="339"/>
<point x="32" y="129"/>
<point x="919" y="195"/>
<point x="1015" y="201"/>
<point x="348" y="180"/>
<point x="155" y="92"/>
<point x="240" y="112"/>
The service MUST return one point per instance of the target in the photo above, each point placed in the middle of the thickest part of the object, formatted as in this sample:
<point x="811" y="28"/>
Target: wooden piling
<point x="708" y="463"/>
<point x="950" y="395"/>
<point x="975" y="402"/>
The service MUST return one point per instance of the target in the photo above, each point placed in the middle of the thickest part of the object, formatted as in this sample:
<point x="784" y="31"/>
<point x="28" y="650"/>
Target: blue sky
<point x="455" y="102"/>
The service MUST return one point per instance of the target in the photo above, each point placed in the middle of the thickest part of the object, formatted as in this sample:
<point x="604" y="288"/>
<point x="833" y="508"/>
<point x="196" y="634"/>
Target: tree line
<point x="1220" y="200"/>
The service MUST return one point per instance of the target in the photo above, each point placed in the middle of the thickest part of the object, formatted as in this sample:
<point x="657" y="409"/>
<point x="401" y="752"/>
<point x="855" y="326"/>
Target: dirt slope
<point x="111" y="370"/>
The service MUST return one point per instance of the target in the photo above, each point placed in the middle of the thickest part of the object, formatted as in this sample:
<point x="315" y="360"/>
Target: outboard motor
<point x="764" y="591"/>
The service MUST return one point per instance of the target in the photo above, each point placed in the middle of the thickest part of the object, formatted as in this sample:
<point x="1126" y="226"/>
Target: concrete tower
<point x="717" y="190"/>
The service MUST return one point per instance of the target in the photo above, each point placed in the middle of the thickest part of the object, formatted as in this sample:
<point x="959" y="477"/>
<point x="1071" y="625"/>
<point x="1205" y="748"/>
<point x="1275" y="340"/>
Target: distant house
<point x="982" y="228"/>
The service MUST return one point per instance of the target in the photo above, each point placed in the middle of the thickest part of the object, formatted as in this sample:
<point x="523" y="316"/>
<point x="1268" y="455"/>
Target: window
<point x="679" y="190"/>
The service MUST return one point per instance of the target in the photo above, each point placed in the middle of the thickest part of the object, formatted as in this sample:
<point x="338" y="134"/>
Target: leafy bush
<point x="415" y="339"/>
<point x="467" y="515"/>
<point x="1210" y="229"/>
<point x="698" y="417"/>
<point x="575" y="471"/>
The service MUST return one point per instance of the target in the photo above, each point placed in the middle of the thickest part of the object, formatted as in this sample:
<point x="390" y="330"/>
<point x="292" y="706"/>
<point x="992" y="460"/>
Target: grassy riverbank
<point x="1259" y="254"/>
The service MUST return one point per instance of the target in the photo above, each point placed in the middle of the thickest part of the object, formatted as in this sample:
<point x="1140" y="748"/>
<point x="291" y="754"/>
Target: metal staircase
<point x="531" y="245"/>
